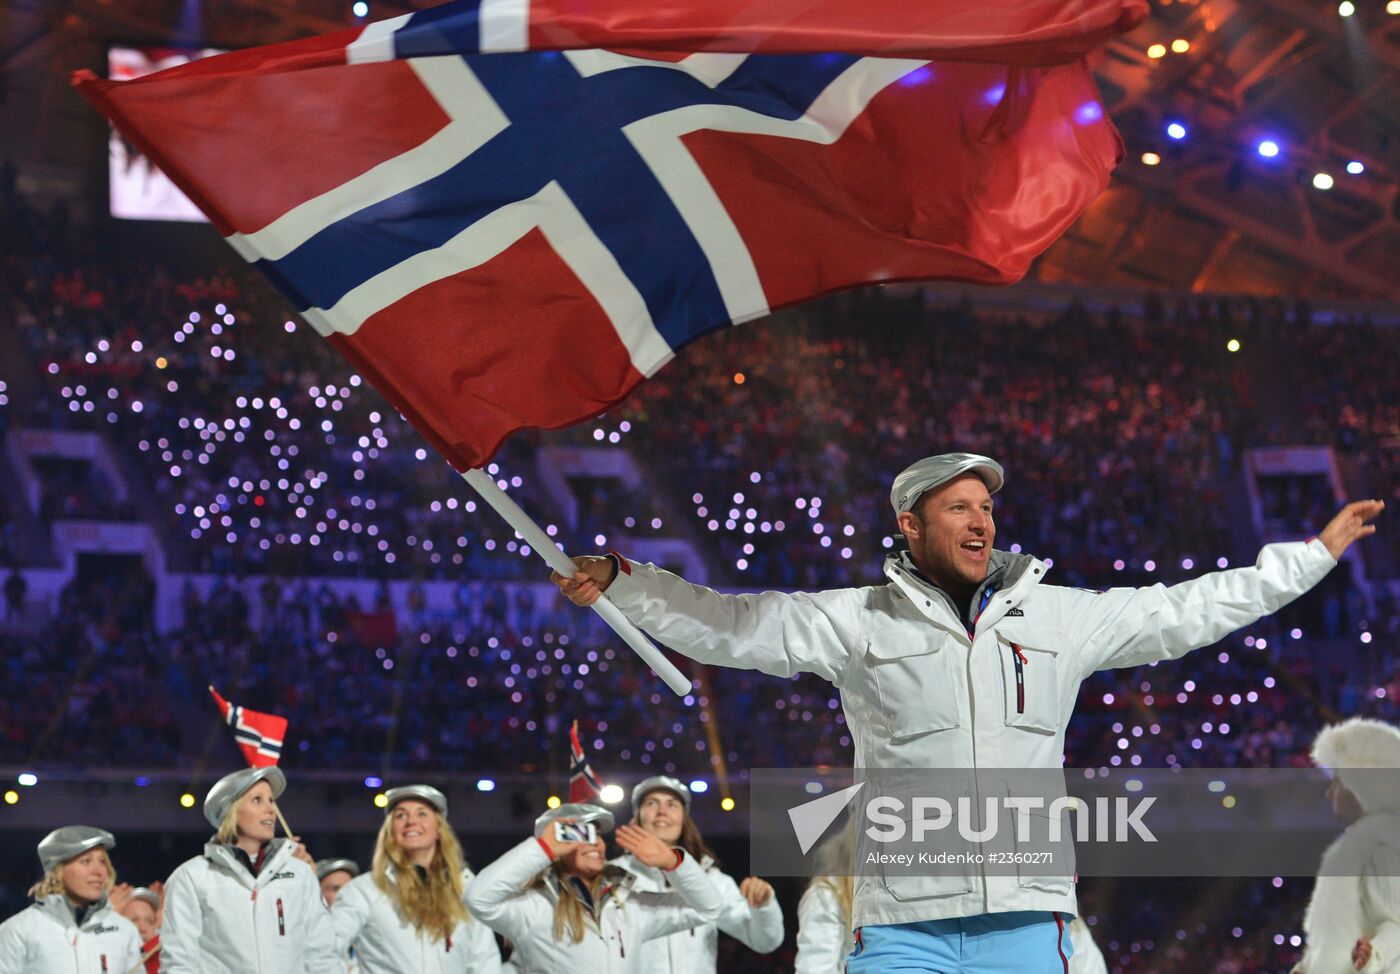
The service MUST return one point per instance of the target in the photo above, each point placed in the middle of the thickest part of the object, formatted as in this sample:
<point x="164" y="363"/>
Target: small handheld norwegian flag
<point x="583" y="783"/>
<point x="259" y="735"/>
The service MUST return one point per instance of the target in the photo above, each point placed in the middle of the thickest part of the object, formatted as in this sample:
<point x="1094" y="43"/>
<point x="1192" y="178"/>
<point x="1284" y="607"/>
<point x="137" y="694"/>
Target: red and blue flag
<point x="259" y="736"/>
<point x="507" y="213"/>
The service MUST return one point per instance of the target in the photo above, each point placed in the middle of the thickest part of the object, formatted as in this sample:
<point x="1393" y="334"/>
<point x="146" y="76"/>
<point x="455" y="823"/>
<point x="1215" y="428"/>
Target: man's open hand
<point x="1350" y="525"/>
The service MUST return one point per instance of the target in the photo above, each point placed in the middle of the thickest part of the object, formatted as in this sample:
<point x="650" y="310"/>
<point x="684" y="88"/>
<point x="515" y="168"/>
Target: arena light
<point x="187" y="800"/>
<point x="1356" y="167"/>
<point x="11" y="797"/>
<point x="1322" y="181"/>
<point x="1151" y="159"/>
<point x="485" y="784"/>
<point x="1346" y="8"/>
<point x="360" y="9"/>
<point x="727" y="804"/>
<point x="1268" y="148"/>
<point x="699" y="786"/>
<point x="1176" y="130"/>
<point x="1156" y="51"/>
<point x="611" y="794"/>
<point x="1393" y="7"/>
<point x="1233" y="345"/>
<point x="553" y="801"/>
<point x="373" y="782"/>
<point x="381" y="800"/>
<point x="28" y="779"/>
<point x="1181" y="45"/>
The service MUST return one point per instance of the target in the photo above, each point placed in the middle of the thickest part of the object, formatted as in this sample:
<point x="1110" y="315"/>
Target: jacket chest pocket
<point x="1030" y="678"/>
<point x="918" y="682"/>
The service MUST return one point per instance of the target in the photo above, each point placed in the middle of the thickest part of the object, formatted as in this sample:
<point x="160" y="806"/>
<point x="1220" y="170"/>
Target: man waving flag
<point x="507" y="213"/>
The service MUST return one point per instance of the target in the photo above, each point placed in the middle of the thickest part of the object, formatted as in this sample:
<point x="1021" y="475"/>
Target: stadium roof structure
<point x="1214" y="213"/>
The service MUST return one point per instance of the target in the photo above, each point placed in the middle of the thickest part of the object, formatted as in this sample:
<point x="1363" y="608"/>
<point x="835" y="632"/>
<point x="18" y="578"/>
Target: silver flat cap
<point x="325" y="867"/>
<point x="580" y="812"/>
<point x="423" y="793"/>
<point x="930" y="472"/>
<point x="661" y="782"/>
<point x="146" y="895"/>
<point x="72" y="841"/>
<point x="232" y="787"/>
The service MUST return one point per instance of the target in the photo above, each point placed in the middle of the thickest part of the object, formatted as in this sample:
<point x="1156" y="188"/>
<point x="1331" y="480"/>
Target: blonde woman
<point x="407" y="913"/>
<point x="565" y="909"/>
<point x="751" y="915"/>
<point x="70" y="926"/>
<point x="824" y="938"/>
<point x="248" y="904"/>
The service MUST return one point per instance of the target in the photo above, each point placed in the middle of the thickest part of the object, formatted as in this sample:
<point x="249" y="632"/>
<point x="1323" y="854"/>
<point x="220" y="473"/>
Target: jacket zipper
<point x="257" y="944"/>
<point x="1019" y="658"/>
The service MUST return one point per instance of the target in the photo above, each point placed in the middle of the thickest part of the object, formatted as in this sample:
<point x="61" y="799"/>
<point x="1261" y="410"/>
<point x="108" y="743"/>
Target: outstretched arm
<point x="1129" y="627"/>
<point x="773" y="632"/>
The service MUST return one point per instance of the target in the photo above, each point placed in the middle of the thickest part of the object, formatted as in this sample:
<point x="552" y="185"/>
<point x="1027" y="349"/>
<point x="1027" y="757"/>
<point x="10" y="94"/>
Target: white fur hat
<point x="1363" y="745"/>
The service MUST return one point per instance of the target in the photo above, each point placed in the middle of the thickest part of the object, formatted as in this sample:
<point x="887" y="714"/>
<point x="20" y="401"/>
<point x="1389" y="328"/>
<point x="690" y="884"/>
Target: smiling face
<point x="85" y="877"/>
<point x="951" y="532"/>
<point x="256" y="815"/>
<point x="585" y="859"/>
<point x="662" y="813"/>
<point x="415" y="826"/>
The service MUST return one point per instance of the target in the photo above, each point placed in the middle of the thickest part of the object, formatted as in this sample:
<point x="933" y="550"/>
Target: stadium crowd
<point x="266" y="455"/>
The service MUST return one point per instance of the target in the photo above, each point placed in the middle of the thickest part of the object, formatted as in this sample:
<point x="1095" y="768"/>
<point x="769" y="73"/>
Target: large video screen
<point x="140" y="191"/>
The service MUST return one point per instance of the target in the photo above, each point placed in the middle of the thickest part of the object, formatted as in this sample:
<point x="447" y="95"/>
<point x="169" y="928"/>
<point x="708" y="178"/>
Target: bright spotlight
<point x="1355" y="167"/>
<point x="1150" y="159"/>
<point x="1268" y="148"/>
<point x="1393" y="7"/>
<point x="360" y="9"/>
<point x="611" y="794"/>
<point x="187" y="800"/>
<point x="1346" y="8"/>
<point x="1233" y="345"/>
<point x="727" y="804"/>
<point x="1176" y="130"/>
<point x="553" y="801"/>
<point x="1181" y="45"/>
<point x="1322" y="181"/>
<point x="1156" y="51"/>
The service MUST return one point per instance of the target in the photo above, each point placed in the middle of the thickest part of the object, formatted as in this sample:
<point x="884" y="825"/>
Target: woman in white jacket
<point x="247" y="905"/>
<point x="824" y="938"/>
<point x="565" y="909"/>
<point x="750" y="911"/>
<point x="407" y="914"/>
<point x="70" y="926"/>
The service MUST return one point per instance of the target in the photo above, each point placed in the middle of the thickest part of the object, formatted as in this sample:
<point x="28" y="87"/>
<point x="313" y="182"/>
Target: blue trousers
<point x="1028" y="942"/>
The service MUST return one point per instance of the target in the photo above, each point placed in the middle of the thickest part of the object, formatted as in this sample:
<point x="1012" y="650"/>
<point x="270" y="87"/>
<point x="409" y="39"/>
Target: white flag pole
<point x="525" y="526"/>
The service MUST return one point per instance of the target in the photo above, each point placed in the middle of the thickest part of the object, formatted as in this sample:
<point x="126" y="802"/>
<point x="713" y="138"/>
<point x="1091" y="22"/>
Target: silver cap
<point x="72" y="841"/>
<point x="231" y="787"/>
<point x="147" y="895"/>
<point x="930" y="472"/>
<point x="325" y="867"/>
<point x="423" y="793"/>
<point x="661" y="782"/>
<point x="580" y="812"/>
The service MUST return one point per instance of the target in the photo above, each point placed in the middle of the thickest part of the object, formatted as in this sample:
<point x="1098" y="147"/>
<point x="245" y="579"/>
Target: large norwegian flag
<point x="507" y="213"/>
<point x="259" y="736"/>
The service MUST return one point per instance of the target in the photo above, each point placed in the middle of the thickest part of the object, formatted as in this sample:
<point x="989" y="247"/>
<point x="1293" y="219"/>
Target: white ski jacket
<point x="919" y="691"/>
<point x="696" y="951"/>
<point x="385" y="943"/>
<point x="503" y="898"/>
<point x="46" y="939"/>
<point x="220" y="920"/>
<point x="824" y="938"/>
<point x="1357" y="895"/>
